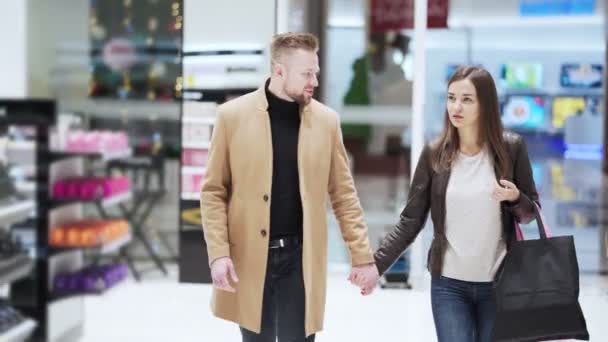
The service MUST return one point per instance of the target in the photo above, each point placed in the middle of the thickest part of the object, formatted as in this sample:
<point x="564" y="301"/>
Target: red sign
<point x="390" y="15"/>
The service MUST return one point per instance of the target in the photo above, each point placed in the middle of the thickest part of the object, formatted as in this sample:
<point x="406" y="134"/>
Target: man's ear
<point x="279" y="69"/>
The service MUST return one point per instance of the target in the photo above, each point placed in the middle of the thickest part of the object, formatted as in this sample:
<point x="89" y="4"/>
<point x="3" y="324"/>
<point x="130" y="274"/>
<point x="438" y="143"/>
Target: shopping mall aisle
<point x="162" y="310"/>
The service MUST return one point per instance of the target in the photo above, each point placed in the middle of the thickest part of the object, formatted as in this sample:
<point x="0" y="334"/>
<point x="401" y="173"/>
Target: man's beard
<point x="301" y="99"/>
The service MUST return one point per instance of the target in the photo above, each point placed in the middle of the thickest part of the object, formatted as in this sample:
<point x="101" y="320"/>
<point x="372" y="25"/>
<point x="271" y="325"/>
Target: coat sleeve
<point x="215" y="193"/>
<point x="345" y="204"/>
<point x="523" y="209"/>
<point x="412" y="217"/>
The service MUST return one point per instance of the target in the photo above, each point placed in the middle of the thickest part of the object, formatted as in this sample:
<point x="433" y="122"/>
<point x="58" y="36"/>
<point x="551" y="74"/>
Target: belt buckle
<point x="281" y="243"/>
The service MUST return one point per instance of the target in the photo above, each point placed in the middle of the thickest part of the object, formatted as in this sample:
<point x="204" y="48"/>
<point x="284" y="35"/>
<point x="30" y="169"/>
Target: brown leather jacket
<point x="428" y="190"/>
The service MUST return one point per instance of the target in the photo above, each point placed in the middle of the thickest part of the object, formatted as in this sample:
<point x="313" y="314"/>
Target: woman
<point x="476" y="180"/>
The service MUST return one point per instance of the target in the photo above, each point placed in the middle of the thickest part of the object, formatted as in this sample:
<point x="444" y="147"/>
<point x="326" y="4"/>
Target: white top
<point x="473" y="226"/>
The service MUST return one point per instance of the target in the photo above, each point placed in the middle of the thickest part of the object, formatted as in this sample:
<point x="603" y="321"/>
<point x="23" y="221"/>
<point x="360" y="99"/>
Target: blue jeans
<point x="463" y="311"/>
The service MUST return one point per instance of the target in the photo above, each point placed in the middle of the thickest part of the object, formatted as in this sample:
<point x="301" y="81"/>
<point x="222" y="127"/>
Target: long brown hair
<point x="490" y="125"/>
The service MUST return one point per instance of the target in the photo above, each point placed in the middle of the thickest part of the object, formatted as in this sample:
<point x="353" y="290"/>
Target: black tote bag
<point x="537" y="290"/>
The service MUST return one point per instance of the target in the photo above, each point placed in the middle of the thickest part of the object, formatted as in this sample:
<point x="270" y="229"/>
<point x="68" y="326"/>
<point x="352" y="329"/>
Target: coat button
<point x="263" y="232"/>
<point x="265" y="198"/>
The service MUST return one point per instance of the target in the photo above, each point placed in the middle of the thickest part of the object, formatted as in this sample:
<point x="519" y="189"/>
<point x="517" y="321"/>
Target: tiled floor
<point x="162" y="310"/>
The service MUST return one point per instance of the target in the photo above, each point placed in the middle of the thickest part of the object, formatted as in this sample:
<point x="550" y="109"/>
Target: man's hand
<point x="220" y="268"/>
<point x="365" y="276"/>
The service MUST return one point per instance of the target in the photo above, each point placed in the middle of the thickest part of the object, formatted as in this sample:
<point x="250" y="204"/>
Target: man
<point x="275" y="156"/>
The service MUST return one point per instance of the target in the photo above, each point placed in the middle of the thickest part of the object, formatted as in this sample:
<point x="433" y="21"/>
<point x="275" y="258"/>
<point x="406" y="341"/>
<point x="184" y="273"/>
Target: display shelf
<point x="194" y="170"/>
<point x="55" y="297"/>
<point x="106" y="202"/>
<point x="106" y="248"/>
<point x="205" y="120"/>
<point x="15" y="212"/>
<point x="555" y="91"/>
<point x="19" y="333"/>
<point x="191" y="196"/>
<point x="104" y="156"/>
<point x="11" y="273"/>
<point x="379" y="115"/>
<point x="197" y="145"/>
<point x="526" y="22"/>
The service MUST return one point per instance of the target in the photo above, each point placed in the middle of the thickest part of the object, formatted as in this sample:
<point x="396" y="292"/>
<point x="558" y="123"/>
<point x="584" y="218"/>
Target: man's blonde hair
<point x="282" y="43"/>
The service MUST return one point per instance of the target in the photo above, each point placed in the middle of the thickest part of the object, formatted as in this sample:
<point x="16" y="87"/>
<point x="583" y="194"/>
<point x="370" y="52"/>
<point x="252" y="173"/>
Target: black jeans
<point x="283" y="310"/>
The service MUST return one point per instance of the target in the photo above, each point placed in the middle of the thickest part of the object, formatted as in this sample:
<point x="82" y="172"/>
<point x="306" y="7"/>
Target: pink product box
<point x="96" y="141"/>
<point x="193" y="132"/>
<point x="192" y="182"/>
<point x="90" y="188"/>
<point x="194" y="157"/>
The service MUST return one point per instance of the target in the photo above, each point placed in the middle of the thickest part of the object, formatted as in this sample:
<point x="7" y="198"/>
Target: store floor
<point x="163" y="310"/>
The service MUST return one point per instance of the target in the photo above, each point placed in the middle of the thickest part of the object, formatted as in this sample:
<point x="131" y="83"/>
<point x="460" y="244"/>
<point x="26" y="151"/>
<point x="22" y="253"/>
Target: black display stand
<point x="30" y="295"/>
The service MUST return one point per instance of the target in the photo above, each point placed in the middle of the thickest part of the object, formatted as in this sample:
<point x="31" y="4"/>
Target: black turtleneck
<point x="286" y="204"/>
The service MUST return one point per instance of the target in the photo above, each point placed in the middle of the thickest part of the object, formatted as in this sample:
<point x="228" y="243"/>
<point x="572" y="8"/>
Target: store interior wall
<point x="13" y="60"/>
<point x="229" y="23"/>
<point x="58" y="49"/>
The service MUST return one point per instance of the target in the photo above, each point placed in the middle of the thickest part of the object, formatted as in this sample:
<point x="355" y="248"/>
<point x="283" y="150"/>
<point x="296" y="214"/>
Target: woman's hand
<point x="505" y="191"/>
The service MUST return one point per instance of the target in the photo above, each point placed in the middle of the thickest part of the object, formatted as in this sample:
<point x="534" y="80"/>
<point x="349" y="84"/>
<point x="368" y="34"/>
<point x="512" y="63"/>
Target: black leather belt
<point x="288" y="241"/>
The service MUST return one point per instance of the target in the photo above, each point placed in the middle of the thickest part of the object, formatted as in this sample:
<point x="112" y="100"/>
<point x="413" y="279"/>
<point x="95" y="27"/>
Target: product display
<point x="9" y="318"/>
<point x="194" y="157"/>
<point x="14" y="259"/>
<point x="96" y="141"/>
<point x="563" y="107"/>
<point x="94" y="279"/>
<point x="89" y="233"/>
<point x="526" y="112"/>
<point x="8" y="193"/>
<point x="581" y="75"/>
<point x="521" y="75"/>
<point x="90" y="188"/>
<point x="192" y="183"/>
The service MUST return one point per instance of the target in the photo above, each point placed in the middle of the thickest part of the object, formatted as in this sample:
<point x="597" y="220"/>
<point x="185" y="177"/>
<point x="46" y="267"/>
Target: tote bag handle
<point x="543" y="229"/>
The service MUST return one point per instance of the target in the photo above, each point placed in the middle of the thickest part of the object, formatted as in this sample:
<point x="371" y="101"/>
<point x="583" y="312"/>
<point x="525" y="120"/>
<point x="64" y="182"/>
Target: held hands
<point x="364" y="276"/>
<point x="505" y="191"/>
<point x="220" y="268"/>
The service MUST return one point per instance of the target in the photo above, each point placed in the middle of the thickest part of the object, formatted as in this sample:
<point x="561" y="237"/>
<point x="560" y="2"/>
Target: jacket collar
<point x="262" y="101"/>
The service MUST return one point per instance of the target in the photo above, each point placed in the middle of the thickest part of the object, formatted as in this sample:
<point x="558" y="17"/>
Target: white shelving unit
<point x="202" y="114"/>
<point x="377" y="115"/>
<point x="15" y="212"/>
<point x="201" y="145"/>
<point x="194" y="170"/>
<point x="191" y="196"/>
<point x="19" y="333"/>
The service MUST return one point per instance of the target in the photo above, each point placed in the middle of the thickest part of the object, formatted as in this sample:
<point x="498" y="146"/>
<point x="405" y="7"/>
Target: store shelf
<point x="11" y="273"/>
<point x="55" y="297"/>
<point x="191" y="196"/>
<point x="378" y="115"/>
<point x="526" y="22"/>
<point x="116" y="245"/>
<point x="19" y="333"/>
<point x="106" y="202"/>
<point x="132" y="109"/>
<point x="25" y="187"/>
<point x="15" y="212"/>
<point x="104" y="156"/>
<point x="198" y="120"/>
<point x="197" y="145"/>
<point x="553" y="91"/>
<point x="194" y="170"/>
<point x="117" y="199"/>
<point x="107" y="248"/>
